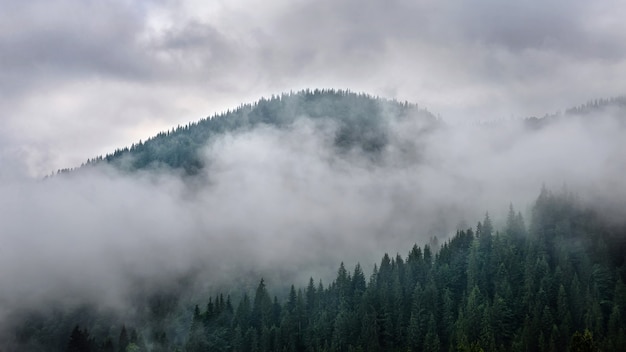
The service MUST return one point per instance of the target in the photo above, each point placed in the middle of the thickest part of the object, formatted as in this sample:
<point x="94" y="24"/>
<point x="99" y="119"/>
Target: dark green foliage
<point x="554" y="287"/>
<point x="123" y="340"/>
<point x="107" y="345"/>
<point x="583" y="342"/>
<point x="361" y="123"/>
<point x="80" y="341"/>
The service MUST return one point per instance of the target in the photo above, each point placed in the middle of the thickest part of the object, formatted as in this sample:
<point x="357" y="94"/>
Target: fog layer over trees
<point x="285" y="189"/>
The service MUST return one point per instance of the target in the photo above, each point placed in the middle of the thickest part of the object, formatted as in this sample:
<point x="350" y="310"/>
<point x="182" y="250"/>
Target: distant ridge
<point x="361" y="119"/>
<point x="617" y="105"/>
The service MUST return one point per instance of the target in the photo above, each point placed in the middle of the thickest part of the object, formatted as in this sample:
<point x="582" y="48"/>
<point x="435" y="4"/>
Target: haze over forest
<point x="285" y="190"/>
<point x="197" y="155"/>
<point x="80" y="79"/>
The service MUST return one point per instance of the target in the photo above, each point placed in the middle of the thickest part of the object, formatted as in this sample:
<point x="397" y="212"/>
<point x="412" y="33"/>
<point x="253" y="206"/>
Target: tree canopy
<point x="554" y="283"/>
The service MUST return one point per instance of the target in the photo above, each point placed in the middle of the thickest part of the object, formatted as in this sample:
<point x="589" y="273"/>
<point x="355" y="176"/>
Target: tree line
<point x="554" y="285"/>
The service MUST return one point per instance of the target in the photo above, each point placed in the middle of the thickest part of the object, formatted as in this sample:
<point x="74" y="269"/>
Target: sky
<point x="79" y="78"/>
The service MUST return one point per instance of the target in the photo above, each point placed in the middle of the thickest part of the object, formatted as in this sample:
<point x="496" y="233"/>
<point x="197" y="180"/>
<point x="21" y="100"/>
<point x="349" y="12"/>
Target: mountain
<point x="552" y="278"/>
<point x="615" y="106"/>
<point x="362" y="122"/>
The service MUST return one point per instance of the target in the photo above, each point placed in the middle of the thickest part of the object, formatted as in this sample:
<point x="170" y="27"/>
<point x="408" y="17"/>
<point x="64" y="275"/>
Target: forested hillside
<point x="615" y="107"/>
<point x="553" y="284"/>
<point x="312" y="176"/>
<point x="361" y="121"/>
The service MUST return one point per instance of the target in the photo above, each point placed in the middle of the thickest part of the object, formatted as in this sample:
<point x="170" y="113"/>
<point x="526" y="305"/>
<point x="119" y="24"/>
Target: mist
<point x="163" y="63"/>
<point x="286" y="205"/>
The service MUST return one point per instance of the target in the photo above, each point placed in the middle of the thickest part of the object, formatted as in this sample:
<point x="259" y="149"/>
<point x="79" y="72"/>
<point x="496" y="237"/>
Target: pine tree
<point x="582" y="342"/>
<point x="261" y="314"/>
<point x="123" y="340"/>
<point x="79" y="341"/>
<point x="431" y="340"/>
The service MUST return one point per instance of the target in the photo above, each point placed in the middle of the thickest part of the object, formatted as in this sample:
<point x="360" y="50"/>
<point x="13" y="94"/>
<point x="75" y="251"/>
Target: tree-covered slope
<point x="361" y="121"/>
<point x="556" y="284"/>
<point x="615" y="106"/>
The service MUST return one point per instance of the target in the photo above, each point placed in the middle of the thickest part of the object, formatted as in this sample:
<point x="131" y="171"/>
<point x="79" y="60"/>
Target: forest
<point x="553" y="280"/>
<point x="554" y="283"/>
<point x="312" y="176"/>
<point x="361" y="121"/>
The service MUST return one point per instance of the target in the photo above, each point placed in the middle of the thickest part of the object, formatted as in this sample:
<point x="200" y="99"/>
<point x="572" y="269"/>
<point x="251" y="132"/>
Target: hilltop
<point x="361" y="122"/>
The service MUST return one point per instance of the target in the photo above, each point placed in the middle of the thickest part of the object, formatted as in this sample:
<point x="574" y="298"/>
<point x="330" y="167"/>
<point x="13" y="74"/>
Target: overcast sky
<point x="79" y="78"/>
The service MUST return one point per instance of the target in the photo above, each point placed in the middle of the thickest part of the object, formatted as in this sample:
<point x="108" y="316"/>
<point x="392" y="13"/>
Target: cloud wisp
<point x="282" y="203"/>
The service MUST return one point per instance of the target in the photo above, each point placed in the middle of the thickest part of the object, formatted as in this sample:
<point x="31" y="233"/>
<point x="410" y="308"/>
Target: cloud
<point x="79" y="79"/>
<point x="128" y="70"/>
<point x="47" y="42"/>
<point x="283" y="204"/>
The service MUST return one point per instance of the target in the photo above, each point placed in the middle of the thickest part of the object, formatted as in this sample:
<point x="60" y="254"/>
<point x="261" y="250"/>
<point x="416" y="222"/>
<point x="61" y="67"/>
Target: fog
<point x="284" y="204"/>
<point x="80" y="78"/>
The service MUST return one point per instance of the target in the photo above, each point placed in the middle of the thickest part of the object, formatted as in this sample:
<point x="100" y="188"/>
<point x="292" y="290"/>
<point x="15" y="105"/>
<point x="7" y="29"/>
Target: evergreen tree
<point x="79" y="341"/>
<point x="261" y="315"/>
<point x="431" y="340"/>
<point x="123" y="340"/>
<point x="583" y="342"/>
<point x="569" y="297"/>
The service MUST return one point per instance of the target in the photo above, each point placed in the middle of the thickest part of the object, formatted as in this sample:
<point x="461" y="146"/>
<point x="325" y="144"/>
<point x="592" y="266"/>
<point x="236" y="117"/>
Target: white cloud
<point x="177" y="62"/>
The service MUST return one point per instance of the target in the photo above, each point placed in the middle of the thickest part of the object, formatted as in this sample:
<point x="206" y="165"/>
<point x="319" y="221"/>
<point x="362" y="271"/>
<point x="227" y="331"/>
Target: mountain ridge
<point x="359" y="116"/>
